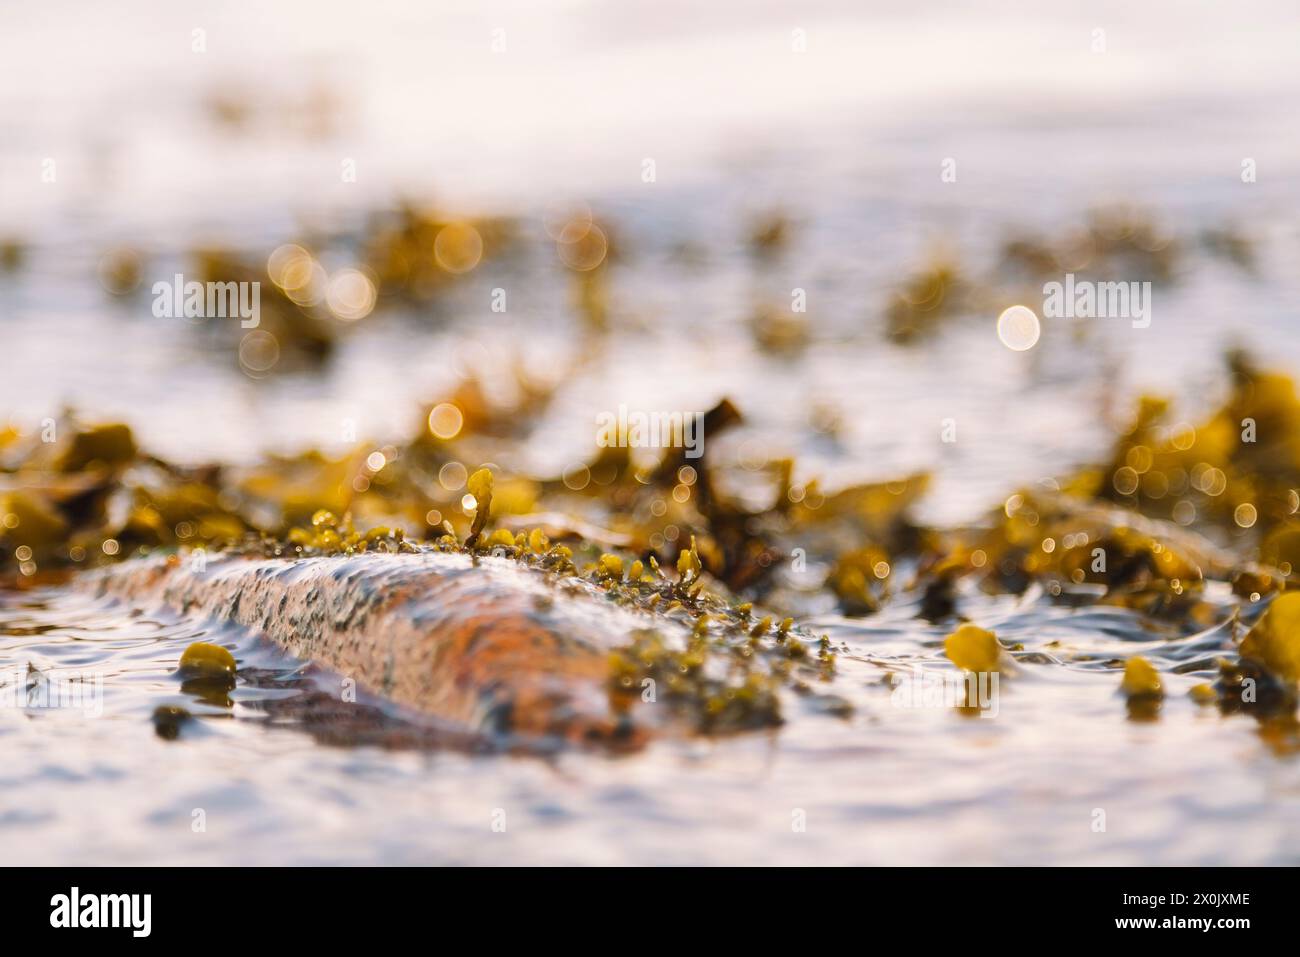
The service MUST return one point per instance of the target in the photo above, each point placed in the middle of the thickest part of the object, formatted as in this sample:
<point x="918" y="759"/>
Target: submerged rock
<point x="482" y="643"/>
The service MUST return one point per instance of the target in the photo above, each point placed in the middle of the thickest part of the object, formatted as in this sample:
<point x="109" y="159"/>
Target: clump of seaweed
<point x="330" y="535"/>
<point x="780" y="332"/>
<point x="12" y="253"/>
<point x="1116" y="242"/>
<point x="1173" y="508"/>
<point x="925" y="299"/>
<point x="729" y="674"/>
<point x="411" y="254"/>
<point x="416" y="252"/>
<point x="769" y="234"/>
<point x="1234" y="475"/>
<point x="1086" y="549"/>
<point x="974" y="649"/>
<point x="77" y="494"/>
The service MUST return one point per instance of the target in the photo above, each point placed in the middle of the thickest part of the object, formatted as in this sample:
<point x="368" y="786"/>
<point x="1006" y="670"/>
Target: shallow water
<point x="888" y="785"/>
<point x="858" y="173"/>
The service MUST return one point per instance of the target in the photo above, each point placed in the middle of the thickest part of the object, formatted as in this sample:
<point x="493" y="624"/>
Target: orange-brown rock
<point x="481" y="643"/>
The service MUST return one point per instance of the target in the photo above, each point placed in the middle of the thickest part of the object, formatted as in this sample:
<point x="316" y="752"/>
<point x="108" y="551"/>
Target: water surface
<point x="848" y="141"/>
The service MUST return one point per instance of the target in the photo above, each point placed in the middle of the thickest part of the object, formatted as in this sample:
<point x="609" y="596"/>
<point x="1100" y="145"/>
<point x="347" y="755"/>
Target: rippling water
<point x="858" y="174"/>
<point x="888" y="785"/>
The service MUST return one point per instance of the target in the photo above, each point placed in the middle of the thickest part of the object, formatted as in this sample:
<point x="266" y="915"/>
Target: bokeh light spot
<point x="1018" y="328"/>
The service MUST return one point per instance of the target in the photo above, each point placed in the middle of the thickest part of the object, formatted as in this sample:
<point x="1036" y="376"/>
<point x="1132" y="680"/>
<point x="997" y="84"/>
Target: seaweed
<point x="675" y="539"/>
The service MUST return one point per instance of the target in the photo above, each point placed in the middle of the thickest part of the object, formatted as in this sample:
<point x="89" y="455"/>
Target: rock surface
<point x="482" y="643"/>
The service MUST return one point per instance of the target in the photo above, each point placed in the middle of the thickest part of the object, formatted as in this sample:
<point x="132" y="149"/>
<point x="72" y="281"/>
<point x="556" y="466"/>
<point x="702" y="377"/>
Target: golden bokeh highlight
<point x="453" y="476"/>
<point x="577" y="477"/>
<point x="259" y="351"/>
<point x="586" y="252"/>
<point x="351" y="295"/>
<point x="446" y="420"/>
<point x="291" y="268"/>
<point x="567" y="222"/>
<point x="458" y="248"/>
